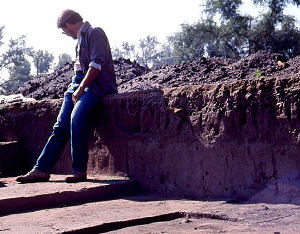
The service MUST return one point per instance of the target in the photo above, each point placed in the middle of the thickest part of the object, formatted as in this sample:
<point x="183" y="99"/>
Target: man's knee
<point x="80" y="119"/>
<point x="77" y="119"/>
<point x="61" y="128"/>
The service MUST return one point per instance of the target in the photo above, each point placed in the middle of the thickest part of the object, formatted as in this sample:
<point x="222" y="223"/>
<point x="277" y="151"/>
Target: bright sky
<point x="122" y="20"/>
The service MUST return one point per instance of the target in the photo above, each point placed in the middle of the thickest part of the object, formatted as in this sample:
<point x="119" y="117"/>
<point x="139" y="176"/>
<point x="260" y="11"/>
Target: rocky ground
<point x="132" y="77"/>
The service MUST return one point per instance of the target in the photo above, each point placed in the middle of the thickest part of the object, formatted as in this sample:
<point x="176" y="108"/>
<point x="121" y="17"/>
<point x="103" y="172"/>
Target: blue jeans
<point x="75" y="121"/>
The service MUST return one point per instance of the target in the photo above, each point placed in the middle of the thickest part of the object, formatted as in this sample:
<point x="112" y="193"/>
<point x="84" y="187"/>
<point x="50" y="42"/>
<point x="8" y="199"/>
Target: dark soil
<point x="55" y="84"/>
<point x="50" y="86"/>
<point x="207" y="70"/>
<point x="132" y="77"/>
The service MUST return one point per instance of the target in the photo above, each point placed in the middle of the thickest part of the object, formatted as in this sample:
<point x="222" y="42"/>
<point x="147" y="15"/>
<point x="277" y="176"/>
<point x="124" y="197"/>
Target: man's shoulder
<point x="93" y="30"/>
<point x="96" y="33"/>
<point x="89" y="30"/>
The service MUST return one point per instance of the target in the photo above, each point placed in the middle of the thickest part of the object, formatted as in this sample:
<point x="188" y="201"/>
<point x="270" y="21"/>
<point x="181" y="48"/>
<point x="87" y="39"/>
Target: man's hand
<point x="91" y="74"/>
<point x="77" y="94"/>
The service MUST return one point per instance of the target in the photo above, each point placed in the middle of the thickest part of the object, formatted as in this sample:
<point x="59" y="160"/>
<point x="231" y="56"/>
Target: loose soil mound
<point x="54" y="85"/>
<point x="207" y="70"/>
<point x="50" y="86"/>
<point x="132" y="77"/>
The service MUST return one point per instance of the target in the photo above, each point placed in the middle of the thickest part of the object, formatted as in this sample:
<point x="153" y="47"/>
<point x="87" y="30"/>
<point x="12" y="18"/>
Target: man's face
<point x="69" y="31"/>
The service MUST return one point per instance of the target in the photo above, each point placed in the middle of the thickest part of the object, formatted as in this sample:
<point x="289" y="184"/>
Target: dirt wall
<point x="212" y="140"/>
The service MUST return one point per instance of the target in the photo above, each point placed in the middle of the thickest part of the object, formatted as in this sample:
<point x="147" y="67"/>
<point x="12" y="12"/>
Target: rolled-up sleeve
<point x="98" y="48"/>
<point x="95" y="65"/>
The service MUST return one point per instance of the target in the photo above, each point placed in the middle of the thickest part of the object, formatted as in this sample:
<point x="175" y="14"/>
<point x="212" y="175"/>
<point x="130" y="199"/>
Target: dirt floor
<point x="151" y="214"/>
<point x="51" y="207"/>
<point x="141" y="213"/>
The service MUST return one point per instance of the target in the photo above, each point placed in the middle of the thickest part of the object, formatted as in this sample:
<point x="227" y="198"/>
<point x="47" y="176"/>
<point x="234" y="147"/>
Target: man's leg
<point x="53" y="148"/>
<point x="58" y="138"/>
<point x="80" y="128"/>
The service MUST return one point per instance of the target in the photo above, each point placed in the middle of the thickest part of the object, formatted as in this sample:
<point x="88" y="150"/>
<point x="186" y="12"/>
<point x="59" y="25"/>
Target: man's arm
<point x="91" y="74"/>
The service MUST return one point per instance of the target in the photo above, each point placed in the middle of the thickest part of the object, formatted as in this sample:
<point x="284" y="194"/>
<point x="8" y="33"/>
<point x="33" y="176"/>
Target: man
<point x="95" y="77"/>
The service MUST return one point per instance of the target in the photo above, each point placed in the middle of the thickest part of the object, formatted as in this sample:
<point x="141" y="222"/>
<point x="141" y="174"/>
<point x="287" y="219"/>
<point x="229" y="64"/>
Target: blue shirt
<point x="94" y="51"/>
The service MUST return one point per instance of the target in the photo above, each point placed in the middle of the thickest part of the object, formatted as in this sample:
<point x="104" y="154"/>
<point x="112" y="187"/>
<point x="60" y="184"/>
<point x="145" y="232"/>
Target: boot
<point x="34" y="176"/>
<point x="76" y="177"/>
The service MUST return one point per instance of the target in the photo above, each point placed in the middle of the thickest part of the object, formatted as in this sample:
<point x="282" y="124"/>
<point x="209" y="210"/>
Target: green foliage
<point x="276" y="7"/>
<point x="207" y="38"/>
<point x="20" y="70"/>
<point x="238" y="35"/>
<point x="63" y="59"/>
<point x="2" y="91"/>
<point x="16" y="53"/>
<point x="188" y="44"/>
<point x="128" y="50"/>
<point x="1" y="35"/>
<point x="164" y="56"/>
<point x="18" y="74"/>
<point x="42" y="61"/>
<point x="117" y="53"/>
<point x="288" y="38"/>
<point x="14" y="59"/>
<point x="227" y="8"/>
<point x="285" y="39"/>
<point x="148" y="52"/>
<point x="258" y="73"/>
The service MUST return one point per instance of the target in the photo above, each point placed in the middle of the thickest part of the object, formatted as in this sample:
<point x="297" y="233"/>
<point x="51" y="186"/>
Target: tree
<point x="19" y="73"/>
<point x="228" y="9"/>
<point x="148" y="52"/>
<point x="1" y="35"/>
<point x="275" y="31"/>
<point x="126" y="51"/>
<point x="14" y="59"/>
<point x="237" y="35"/>
<point x="63" y="59"/>
<point x="288" y="38"/>
<point x="165" y="56"/>
<point x="189" y="43"/>
<point x="42" y="61"/>
<point x="2" y="91"/>
<point x="228" y="38"/>
<point x="17" y="50"/>
<point x="276" y="7"/>
<point x="116" y="53"/>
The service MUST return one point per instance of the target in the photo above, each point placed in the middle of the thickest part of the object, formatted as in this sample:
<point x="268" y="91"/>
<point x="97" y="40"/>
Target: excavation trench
<point x="113" y="226"/>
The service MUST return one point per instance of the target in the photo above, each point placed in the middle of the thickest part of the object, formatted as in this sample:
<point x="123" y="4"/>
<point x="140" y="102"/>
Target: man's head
<point x="70" y="22"/>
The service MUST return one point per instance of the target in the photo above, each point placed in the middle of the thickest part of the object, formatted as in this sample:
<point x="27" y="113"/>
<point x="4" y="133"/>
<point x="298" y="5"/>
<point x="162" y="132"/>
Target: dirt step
<point x="113" y="226"/>
<point x="15" y="197"/>
<point x="152" y="214"/>
<point x="103" y="216"/>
